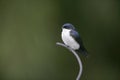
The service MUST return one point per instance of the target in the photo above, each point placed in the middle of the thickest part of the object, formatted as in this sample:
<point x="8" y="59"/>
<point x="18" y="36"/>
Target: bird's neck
<point x="66" y="30"/>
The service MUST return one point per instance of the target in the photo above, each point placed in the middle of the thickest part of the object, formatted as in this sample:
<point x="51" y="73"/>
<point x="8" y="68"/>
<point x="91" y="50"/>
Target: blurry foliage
<point x="29" y="30"/>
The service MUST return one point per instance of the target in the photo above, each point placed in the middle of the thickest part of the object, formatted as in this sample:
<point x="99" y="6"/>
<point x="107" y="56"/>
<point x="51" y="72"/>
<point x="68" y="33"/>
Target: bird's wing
<point x="76" y="36"/>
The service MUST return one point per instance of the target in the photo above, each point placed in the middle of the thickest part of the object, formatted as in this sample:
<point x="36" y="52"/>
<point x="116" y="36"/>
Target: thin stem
<point x="77" y="57"/>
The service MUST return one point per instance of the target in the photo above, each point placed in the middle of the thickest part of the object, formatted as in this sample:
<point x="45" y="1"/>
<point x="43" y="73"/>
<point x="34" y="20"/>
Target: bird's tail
<point x="83" y="52"/>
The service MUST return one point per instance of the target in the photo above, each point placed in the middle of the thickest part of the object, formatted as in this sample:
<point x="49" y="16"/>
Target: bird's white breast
<point x="69" y="40"/>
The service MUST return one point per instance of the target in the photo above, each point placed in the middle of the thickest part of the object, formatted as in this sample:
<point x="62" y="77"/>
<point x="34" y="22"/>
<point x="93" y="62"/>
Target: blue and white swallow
<point x="72" y="39"/>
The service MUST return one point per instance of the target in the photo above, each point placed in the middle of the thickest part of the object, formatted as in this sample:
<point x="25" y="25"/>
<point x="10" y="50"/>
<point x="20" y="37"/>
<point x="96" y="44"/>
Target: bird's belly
<point x="69" y="41"/>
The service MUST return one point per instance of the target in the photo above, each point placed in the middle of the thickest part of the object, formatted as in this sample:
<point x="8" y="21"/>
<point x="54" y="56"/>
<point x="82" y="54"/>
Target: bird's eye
<point x="66" y="27"/>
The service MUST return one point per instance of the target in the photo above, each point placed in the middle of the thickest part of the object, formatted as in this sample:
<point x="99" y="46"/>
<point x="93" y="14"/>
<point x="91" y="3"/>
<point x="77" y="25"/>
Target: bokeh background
<point x="29" y="30"/>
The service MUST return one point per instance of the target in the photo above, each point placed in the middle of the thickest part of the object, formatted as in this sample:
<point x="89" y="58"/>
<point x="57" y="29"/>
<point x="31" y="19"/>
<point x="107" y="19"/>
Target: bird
<point x="72" y="39"/>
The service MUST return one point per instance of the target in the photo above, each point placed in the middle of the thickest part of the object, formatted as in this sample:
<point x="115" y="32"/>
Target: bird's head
<point x="68" y="26"/>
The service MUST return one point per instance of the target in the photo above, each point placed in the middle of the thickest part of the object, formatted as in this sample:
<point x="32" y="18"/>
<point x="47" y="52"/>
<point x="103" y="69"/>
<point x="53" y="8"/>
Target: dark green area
<point x="29" y="30"/>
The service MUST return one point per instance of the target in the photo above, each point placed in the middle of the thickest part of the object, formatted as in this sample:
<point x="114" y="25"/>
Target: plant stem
<point x="77" y="57"/>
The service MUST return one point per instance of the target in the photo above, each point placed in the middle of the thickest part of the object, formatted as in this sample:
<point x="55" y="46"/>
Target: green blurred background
<point x="29" y="30"/>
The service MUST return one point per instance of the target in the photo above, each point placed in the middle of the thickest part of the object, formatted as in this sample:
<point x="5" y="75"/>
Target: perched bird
<point x="72" y="39"/>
